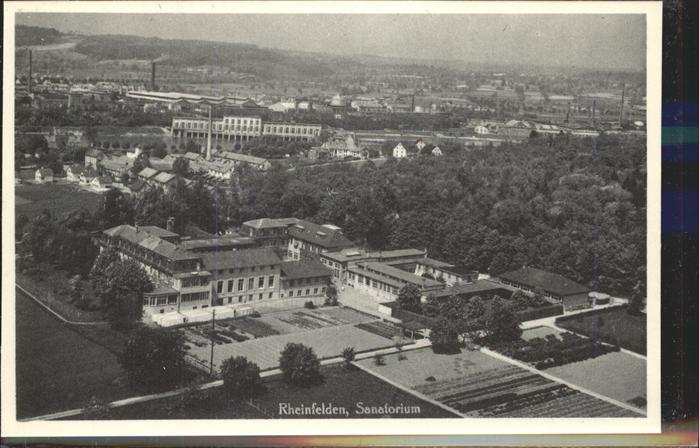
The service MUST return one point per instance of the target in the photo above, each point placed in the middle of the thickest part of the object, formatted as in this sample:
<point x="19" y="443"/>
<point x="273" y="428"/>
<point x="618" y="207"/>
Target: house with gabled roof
<point x="43" y="175"/>
<point x="399" y="151"/>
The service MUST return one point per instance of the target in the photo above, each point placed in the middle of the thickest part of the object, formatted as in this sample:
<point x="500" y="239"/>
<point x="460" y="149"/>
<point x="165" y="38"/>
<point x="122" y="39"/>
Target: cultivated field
<point x="479" y="385"/>
<point x="614" y="325"/>
<point x="58" y="368"/>
<point x="58" y="198"/>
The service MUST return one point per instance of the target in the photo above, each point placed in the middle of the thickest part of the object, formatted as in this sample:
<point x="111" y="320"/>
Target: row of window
<point x="241" y="284"/>
<point x="160" y="300"/>
<point x="291" y="130"/>
<point x="194" y="281"/>
<point x="305" y="281"/>
<point x="299" y="293"/>
<point x="373" y="283"/>
<point x="194" y="297"/>
<point x="244" y="270"/>
<point x="250" y="298"/>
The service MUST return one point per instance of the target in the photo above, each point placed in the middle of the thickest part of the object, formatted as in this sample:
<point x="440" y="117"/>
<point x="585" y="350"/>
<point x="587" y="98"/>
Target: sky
<point x="614" y="42"/>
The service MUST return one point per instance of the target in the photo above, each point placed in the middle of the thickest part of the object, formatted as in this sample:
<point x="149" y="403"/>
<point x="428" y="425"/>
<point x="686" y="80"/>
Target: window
<point x="171" y="299"/>
<point x="251" y="283"/>
<point x="241" y="284"/>
<point x="298" y="293"/>
<point x="315" y="290"/>
<point x="146" y="301"/>
<point x="219" y="286"/>
<point x="230" y="299"/>
<point x="240" y="299"/>
<point x="270" y="281"/>
<point x="291" y="293"/>
<point x="322" y="290"/>
<point x="250" y="297"/>
<point x="260" y="296"/>
<point x="261" y="282"/>
<point x="270" y="295"/>
<point x="230" y="285"/>
<point x="308" y="291"/>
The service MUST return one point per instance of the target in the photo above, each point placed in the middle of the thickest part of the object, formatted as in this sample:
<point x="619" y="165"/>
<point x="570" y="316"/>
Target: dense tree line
<point x="572" y="206"/>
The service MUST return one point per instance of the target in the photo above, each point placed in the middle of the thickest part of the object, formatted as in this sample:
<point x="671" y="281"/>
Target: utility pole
<point x="213" y="325"/>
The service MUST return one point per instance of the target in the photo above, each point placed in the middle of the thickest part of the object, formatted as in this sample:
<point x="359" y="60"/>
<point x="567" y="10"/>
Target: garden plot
<point x="384" y="329"/>
<point x="326" y="342"/>
<point x="479" y="385"/>
<point x="306" y="319"/>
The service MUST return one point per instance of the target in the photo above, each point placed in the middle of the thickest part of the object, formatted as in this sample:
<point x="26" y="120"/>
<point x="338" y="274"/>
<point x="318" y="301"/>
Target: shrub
<point x="299" y="365"/>
<point x="349" y="356"/>
<point x="241" y="378"/>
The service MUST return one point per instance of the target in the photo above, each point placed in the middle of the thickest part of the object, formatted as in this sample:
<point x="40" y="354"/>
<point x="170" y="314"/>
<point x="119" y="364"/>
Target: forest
<point x="576" y="207"/>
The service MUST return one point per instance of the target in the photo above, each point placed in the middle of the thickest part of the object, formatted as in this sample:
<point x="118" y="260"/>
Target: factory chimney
<point x="29" y="81"/>
<point x="412" y="103"/>
<point x="208" y="138"/>
<point x="594" y="106"/>
<point x="621" y="111"/>
<point x="152" y="75"/>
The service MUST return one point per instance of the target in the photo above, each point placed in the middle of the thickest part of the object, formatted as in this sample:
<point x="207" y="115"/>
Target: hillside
<point x="35" y="35"/>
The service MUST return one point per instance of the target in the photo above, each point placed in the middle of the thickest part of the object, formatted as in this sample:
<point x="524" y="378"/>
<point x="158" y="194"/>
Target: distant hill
<point x="35" y="35"/>
<point x="263" y="62"/>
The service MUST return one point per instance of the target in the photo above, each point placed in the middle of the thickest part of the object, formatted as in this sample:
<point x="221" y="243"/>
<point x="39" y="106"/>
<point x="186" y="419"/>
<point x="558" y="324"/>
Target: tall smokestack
<point x="152" y="75"/>
<point x="29" y="82"/>
<point x="621" y="111"/>
<point x="208" y="139"/>
<point x="594" y="106"/>
<point x="412" y="103"/>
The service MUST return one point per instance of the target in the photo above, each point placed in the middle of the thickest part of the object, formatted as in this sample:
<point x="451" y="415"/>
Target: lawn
<point x="613" y="325"/>
<point x="58" y="368"/>
<point x="58" y="198"/>
<point x="616" y="375"/>
<point x="340" y="387"/>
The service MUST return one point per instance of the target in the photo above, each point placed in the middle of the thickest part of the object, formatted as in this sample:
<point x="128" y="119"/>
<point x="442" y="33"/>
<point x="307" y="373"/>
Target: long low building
<point x="550" y="285"/>
<point x="241" y="129"/>
<point x="384" y="282"/>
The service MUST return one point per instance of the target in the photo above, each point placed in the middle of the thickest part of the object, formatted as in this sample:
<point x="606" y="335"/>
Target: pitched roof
<point x="164" y="178"/>
<point x="94" y="153"/>
<point x="324" y="236"/>
<point x="159" y="232"/>
<point x="304" y="269"/>
<point x="240" y="258"/>
<point x="242" y="158"/>
<point x="192" y="156"/>
<point x="477" y="287"/>
<point x="147" y="172"/>
<point x="548" y="281"/>
<point x="150" y="242"/>
<point x="267" y="223"/>
<point x="400" y="274"/>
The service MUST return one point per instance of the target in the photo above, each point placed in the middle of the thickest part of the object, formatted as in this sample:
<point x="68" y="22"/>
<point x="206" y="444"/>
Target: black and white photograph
<point x="299" y="214"/>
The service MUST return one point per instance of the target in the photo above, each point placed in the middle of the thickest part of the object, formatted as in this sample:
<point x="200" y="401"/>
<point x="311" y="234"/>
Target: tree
<point x="122" y="295"/>
<point x="154" y="359"/>
<point x="501" y="323"/>
<point x="181" y="167"/>
<point x="299" y="365"/>
<point x="348" y="354"/>
<point x="409" y="298"/>
<point x="106" y="257"/>
<point x="636" y="300"/>
<point x="116" y="209"/>
<point x="444" y="336"/>
<point x="241" y="378"/>
<point x="331" y="295"/>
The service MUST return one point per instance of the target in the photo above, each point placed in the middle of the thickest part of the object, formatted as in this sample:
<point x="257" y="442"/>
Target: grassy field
<point x="614" y="326"/>
<point x="58" y="198"/>
<point x="616" y="375"/>
<point x="57" y="367"/>
<point x="341" y="387"/>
